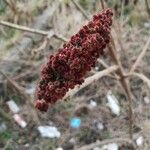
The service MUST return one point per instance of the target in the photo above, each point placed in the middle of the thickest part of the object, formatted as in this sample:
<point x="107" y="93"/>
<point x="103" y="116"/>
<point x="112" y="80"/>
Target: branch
<point x="147" y="7"/>
<point x="142" y="77"/>
<point x="101" y="143"/>
<point x="31" y="30"/>
<point x="124" y="81"/>
<point x="102" y="4"/>
<point x="141" y="55"/>
<point x="91" y="79"/>
<point x="80" y="9"/>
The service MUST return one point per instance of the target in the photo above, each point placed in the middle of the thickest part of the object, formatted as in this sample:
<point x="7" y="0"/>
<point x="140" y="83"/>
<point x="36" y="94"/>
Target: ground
<point x="22" y="55"/>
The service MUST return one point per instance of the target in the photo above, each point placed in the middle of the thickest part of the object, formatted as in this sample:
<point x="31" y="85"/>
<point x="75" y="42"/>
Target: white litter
<point x="30" y="90"/>
<point x="140" y="141"/>
<point x="97" y="148"/>
<point x="72" y="141"/>
<point x="92" y="104"/>
<point x="112" y="146"/>
<point x="147" y="24"/>
<point x="147" y="100"/>
<point x="3" y="127"/>
<point x="113" y="103"/>
<point x="19" y="120"/>
<point x="13" y="106"/>
<point x="59" y="148"/>
<point x="96" y="68"/>
<point x="100" y="126"/>
<point x="49" y="131"/>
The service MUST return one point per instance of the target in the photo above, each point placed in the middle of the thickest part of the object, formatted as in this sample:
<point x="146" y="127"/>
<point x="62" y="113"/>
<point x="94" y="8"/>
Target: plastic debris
<point x="96" y="68"/>
<point x="140" y="141"/>
<point x="13" y="106"/>
<point x="3" y="127"/>
<point x="97" y="148"/>
<point x="100" y="126"/>
<point x="59" y="148"/>
<point x="72" y="141"/>
<point x="112" y="146"/>
<point x="147" y="100"/>
<point x="31" y="89"/>
<point x="147" y="24"/>
<point x="19" y="120"/>
<point x="75" y="122"/>
<point x="92" y="104"/>
<point x="113" y="103"/>
<point x="49" y="131"/>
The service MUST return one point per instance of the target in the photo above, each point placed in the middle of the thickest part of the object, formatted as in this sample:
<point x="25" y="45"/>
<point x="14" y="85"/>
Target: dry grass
<point x="129" y="35"/>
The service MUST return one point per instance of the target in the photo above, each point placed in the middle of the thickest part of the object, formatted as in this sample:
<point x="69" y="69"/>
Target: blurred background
<point x="98" y="111"/>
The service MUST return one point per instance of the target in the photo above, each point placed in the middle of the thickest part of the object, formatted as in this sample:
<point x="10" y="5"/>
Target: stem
<point x="31" y="30"/>
<point x="147" y="7"/>
<point x="123" y="79"/>
<point x="141" y="55"/>
<point x="81" y="9"/>
<point x="91" y="79"/>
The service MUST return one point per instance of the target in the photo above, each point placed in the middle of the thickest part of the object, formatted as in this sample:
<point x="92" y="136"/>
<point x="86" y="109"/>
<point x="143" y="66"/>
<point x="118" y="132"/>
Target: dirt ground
<point x="22" y="55"/>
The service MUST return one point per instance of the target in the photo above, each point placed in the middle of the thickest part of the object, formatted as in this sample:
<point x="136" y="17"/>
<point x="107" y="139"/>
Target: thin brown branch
<point x="31" y="30"/>
<point x="23" y="28"/>
<point x="114" y="75"/>
<point x="124" y="82"/>
<point x="145" y="79"/>
<point x="147" y="7"/>
<point x="80" y="9"/>
<point x="101" y="143"/>
<point x="141" y="55"/>
<point x="11" y="5"/>
<point x="102" y="4"/>
<point x="91" y="79"/>
<point x="60" y="37"/>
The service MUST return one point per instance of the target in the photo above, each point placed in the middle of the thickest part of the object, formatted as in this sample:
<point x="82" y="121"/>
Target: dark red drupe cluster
<point x="70" y="64"/>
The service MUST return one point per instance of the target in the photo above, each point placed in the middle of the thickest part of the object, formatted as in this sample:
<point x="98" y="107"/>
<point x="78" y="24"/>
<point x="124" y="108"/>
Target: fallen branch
<point x="101" y="143"/>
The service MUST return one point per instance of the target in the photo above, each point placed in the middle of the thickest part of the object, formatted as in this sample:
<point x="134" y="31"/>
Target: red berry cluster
<point x="70" y="64"/>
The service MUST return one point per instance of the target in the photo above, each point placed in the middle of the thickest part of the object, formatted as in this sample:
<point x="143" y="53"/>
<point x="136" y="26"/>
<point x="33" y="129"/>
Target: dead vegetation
<point x="30" y="34"/>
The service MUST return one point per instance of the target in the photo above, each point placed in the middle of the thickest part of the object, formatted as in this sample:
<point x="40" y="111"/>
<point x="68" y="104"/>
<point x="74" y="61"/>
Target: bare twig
<point x="89" y="80"/>
<point x="141" y="55"/>
<point x="23" y="28"/>
<point x="11" y="5"/>
<point x="145" y="79"/>
<point x="102" y="4"/>
<point x="114" y="75"/>
<point x="31" y="30"/>
<point x="123" y="80"/>
<point x="101" y="143"/>
<point x="147" y="7"/>
<point x="81" y="9"/>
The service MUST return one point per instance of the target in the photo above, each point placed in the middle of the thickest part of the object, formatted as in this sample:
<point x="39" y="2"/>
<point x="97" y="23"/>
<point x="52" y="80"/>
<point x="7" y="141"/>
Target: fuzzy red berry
<point x="70" y="64"/>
